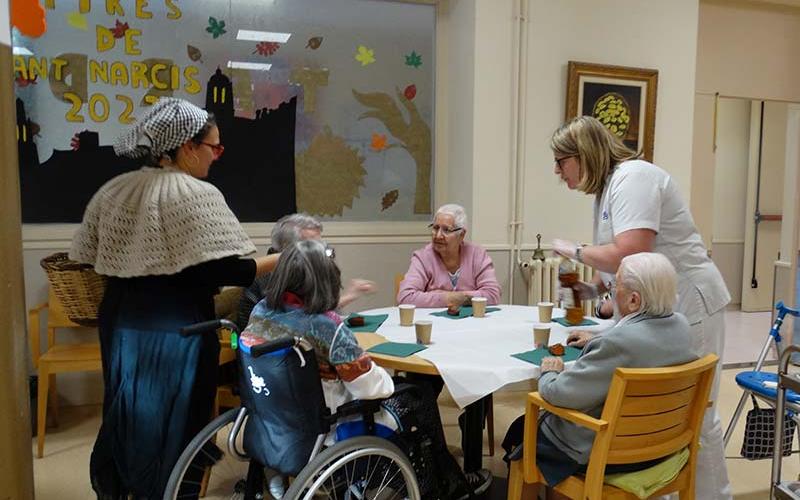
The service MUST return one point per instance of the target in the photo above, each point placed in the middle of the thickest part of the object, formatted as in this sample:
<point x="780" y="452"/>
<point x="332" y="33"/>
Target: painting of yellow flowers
<point x="622" y="98"/>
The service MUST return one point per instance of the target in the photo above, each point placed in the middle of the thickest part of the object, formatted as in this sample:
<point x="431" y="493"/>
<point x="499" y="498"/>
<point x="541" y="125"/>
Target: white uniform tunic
<point x="640" y="195"/>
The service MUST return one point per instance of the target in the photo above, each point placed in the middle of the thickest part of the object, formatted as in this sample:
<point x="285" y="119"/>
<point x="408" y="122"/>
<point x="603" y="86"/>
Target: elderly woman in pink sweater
<point x="449" y="271"/>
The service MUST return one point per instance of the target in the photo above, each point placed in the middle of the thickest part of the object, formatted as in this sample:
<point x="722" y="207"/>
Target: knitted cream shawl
<point x="156" y="221"/>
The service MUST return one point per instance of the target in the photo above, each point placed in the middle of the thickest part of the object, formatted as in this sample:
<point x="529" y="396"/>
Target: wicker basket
<point x="77" y="286"/>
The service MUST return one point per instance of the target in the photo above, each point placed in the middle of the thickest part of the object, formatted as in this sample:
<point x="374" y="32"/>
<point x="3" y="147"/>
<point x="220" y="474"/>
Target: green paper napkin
<point x="399" y="349"/>
<point x="464" y="312"/>
<point x="535" y="356"/>
<point x="563" y="321"/>
<point x="371" y="323"/>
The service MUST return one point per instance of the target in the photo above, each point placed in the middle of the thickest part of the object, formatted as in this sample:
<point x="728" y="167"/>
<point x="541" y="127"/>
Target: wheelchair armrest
<point x="356" y="407"/>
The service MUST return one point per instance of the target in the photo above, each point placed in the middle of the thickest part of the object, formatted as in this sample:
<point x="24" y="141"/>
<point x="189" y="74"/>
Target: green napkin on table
<point x="464" y="312"/>
<point x="371" y="322"/>
<point x="535" y="356"/>
<point x="399" y="349"/>
<point x="563" y="321"/>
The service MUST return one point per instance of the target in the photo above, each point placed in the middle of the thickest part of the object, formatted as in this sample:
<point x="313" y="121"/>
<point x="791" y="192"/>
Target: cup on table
<point x="545" y="312"/>
<point x="479" y="306"/>
<point x="406" y="314"/>
<point x="423" y="330"/>
<point x="541" y="335"/>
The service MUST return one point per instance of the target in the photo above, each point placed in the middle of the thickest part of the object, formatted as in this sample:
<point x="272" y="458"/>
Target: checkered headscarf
<point x="169" y="123"/>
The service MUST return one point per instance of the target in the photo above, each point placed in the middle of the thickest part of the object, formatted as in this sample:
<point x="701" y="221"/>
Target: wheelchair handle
<point x="208" y="326"/>
<point x="272" y="346"/>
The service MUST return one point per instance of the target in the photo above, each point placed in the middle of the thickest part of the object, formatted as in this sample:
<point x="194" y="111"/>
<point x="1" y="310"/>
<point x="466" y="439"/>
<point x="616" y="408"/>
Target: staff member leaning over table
<point x="638" y="209"/>
<point x="648" y="335"/>
<point x="450" y="271"/>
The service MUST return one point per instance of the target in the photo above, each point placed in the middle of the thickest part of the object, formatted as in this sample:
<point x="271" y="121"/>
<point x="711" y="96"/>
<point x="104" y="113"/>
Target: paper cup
<point x="406" y="314"/>
<point x="423" y="329"/>
<point x="545" y="312"/>
<point x="541" y="335"/>
<point x="479" y="306"/>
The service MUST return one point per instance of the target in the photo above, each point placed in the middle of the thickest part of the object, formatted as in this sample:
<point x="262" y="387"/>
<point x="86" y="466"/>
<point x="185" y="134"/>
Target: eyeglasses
<point x="559" y="160"/>
<point x="435" y="228"/>
<point x="216" y="149"/>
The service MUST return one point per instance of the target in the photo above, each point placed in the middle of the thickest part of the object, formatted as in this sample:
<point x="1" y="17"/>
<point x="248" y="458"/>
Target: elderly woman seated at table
<point x="299" y="300"/>
<point x="449" y="271"/>
<point x="648" y="335"/>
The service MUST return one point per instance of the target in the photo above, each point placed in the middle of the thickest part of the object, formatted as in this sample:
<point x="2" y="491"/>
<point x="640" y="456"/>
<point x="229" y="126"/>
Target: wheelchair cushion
<point x="754" y="381"/>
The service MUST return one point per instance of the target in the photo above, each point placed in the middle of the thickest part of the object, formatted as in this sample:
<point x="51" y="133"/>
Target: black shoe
<point x="479" y="481"/>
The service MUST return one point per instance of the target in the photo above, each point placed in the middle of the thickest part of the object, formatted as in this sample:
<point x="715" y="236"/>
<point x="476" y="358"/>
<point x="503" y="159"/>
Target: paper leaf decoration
<point x="314" y="43"/>
<point x="378" y="142"/>
<point x="216" y="28"/>
<point x="413" y="59"/>
<point x="28" y="16"/>
<point x="410" y="92"/>
<point x="119" y="29"/>
<point x="329" y="175"/>
<point x="77" y="21"/>
<point x="194" y="53"/>
<point x="389" y="199"/>
<point x="365" y="55"/>
<point x="266" y="48"/>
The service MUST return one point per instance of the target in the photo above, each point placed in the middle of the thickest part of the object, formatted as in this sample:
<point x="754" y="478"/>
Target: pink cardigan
<point x="427" y="278"/>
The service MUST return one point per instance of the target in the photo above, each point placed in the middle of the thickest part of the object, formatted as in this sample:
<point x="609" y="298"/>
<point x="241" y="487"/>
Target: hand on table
<point x="552" y="364"/>
<point x="578" y="338"/>
<point x="456" y="298"/>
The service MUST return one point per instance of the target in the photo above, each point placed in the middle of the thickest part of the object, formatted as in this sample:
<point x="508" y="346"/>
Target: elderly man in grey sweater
<point x="648" y="334"/>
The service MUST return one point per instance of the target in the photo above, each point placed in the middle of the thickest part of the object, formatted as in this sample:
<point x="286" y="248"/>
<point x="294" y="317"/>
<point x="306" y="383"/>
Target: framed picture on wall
<point x="622" y="98"/>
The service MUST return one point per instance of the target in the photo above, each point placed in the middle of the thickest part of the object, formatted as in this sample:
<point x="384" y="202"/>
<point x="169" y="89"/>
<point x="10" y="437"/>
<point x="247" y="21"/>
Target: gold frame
<point x="575" y="70"/>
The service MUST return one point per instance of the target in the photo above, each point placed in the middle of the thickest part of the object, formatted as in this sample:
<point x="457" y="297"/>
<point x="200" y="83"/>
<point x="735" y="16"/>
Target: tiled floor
<point x="63" y="472"/>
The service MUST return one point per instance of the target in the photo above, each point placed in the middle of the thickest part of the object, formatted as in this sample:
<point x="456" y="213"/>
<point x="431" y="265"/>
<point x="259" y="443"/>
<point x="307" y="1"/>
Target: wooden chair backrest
<point x="653" y="412"/>
<point x="397" y="279"/>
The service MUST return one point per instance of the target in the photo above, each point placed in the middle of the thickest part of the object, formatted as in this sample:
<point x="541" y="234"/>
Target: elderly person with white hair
<point x="649" y="334"/>
<point x="449" y="271"/>
<point x="287" y="231"/>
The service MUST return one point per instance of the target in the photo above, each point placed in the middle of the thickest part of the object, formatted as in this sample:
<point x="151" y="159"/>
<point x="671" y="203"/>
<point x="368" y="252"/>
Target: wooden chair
<point x="57" y="358"/>
<point x="649" y="413"/>
<point x="397" y="279"/>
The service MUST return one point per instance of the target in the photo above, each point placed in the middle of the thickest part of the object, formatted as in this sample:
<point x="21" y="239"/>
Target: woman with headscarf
<point x="166" y="240"/>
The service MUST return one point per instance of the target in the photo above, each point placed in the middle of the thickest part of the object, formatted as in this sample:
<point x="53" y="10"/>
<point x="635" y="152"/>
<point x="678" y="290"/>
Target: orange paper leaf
<point x="28" y="16"/>
<point x="378" y="142"/>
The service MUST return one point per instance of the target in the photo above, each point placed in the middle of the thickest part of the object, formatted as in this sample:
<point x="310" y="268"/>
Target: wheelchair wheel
<point x="361" y="468"/>
<point x="206" y="468"/>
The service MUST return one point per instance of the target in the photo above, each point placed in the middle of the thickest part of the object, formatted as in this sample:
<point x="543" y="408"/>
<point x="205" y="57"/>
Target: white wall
<point x="649" y="34"/>
<point x="730" y="191"/>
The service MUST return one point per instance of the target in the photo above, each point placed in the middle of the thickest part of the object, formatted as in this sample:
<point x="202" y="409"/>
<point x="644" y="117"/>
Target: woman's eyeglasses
<point x="559" y="160"/>
<point x="435" y="228"/>
<point x="216" y="149"/>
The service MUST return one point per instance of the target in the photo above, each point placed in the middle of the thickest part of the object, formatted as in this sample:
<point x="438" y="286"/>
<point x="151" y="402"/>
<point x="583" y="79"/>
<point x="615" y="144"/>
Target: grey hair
<point x="288" y="229"/>
<point x="653" y="276"/>
<point x="305" y="270"/>
<point x="457" y="211"/>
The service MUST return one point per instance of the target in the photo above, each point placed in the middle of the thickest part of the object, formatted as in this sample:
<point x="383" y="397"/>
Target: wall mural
<point x="332" y="115"/>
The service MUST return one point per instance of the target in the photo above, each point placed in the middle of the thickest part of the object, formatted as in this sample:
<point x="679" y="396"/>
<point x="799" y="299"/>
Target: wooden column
<point x="16" y="465"/>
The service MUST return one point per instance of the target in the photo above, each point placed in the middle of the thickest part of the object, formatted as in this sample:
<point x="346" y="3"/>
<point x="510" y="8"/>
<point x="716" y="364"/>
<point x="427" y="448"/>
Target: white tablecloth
<point x="473" y="355"/>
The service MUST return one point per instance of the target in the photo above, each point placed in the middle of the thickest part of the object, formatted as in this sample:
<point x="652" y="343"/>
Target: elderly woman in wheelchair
<point x="316" y="408"/>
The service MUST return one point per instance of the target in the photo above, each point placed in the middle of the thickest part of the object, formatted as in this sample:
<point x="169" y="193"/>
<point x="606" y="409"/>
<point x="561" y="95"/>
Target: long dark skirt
<point x="159" y="386"/>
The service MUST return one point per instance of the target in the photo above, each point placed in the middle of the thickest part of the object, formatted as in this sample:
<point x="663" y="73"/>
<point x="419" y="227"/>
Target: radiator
<point x="543" y="282"/>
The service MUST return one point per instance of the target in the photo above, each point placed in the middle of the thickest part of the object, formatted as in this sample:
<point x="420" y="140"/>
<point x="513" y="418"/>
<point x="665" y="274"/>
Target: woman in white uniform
<point x="638" y="209"/>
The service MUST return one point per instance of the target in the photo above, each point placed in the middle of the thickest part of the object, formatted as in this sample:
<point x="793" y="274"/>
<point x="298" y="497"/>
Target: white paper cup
<point x="479" y="306"/>
<point x="545" y="312"/>
<point x="423" y="330"/>
<point x="541" y="335"/>
<point x="406" y="314"/>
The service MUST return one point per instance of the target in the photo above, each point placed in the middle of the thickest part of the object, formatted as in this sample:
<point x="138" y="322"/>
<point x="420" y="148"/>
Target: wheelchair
<point x="284" y="407"/>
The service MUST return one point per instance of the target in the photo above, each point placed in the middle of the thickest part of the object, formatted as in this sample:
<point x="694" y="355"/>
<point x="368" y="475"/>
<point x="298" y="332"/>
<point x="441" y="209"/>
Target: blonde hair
<point x="597" y="149"/>
<point x="654" y="277"/>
